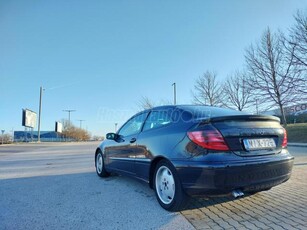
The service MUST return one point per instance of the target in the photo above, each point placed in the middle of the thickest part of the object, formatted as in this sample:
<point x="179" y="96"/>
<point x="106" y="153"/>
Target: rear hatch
<point x="250" y="135"/>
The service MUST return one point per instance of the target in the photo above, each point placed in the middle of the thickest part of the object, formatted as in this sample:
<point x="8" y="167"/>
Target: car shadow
<point x="205" y="202"/>
<point x="82" y="201"/>
<point x="193" y="202"/>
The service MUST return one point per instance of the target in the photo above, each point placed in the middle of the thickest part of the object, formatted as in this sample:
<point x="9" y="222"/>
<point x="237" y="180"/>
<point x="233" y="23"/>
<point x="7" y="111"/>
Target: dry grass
<point x="297" y="133"/>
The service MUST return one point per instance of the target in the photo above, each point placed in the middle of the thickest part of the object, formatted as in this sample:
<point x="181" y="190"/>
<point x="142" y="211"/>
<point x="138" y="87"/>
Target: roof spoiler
<point x="240" y="118"/>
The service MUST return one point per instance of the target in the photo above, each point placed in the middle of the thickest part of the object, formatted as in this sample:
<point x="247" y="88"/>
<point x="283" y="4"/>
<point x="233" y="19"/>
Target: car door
<point x="152" y="140"/>
<point x="121" y="153"/>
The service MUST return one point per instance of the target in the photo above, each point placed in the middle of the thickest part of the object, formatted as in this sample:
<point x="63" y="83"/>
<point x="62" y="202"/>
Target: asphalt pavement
<point x="55" y="186"/>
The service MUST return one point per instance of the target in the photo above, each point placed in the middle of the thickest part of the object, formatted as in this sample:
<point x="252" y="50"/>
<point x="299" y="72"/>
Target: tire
<point x="168" y="188"/>
<point x="99" y="164"/>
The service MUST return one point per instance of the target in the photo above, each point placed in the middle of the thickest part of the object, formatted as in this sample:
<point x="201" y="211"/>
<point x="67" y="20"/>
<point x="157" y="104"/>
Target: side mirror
<point x="112" y="136"/>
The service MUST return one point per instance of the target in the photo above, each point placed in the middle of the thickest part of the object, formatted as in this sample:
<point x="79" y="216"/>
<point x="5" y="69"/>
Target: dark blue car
<point x="183" y="151"/>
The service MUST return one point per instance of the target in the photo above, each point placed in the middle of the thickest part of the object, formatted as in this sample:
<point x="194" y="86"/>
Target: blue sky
<point x="100" y="57"/>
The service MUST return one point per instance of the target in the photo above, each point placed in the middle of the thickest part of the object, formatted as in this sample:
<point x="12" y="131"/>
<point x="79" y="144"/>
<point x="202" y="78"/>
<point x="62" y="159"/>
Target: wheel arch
<point x="153" y="166"/>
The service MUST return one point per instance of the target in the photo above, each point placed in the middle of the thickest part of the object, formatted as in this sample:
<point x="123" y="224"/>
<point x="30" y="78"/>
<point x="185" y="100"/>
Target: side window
<point x="133" y="126"/>
<point x="157" y="119"/>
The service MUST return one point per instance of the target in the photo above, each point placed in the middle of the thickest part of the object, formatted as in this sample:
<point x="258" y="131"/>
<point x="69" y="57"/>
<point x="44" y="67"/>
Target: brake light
<point x="285" y="140"/>
<point x="208" y="138"/>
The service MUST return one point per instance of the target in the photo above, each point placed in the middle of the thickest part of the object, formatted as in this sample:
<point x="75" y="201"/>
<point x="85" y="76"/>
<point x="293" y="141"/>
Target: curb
<point x="304" y="145"/>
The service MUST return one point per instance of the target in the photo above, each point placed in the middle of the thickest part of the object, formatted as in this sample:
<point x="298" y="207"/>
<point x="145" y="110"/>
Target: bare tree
<point x="72" y="132"/>
<point x="145" y="103"/>
<point x="298" y="39"/>
<point x="296" y="46"/>
<point x="6" y="139"/>
<point x="207" y="90"/>
<point x="235" y="93"/>
<point x="273" y="75"/>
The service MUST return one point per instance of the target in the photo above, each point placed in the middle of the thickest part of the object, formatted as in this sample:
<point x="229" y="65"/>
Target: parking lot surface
<point x="54" y="186"/>
<point x="282" y="207"/>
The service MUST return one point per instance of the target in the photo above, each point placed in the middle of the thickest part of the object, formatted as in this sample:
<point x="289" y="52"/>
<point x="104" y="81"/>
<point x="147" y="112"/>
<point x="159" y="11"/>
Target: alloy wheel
<point x="99" y="163"/>
<point x="165" y="185"/>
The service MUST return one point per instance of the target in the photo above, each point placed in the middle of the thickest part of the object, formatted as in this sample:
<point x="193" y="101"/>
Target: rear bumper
<point x="219" y="179"/>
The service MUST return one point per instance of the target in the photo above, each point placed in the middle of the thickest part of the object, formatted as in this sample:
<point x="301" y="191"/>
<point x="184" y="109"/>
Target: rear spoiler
<point x="240" y="118"/>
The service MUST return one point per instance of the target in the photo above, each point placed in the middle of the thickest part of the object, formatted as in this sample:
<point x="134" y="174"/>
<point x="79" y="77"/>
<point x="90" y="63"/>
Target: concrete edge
<point x="298" y="145"/>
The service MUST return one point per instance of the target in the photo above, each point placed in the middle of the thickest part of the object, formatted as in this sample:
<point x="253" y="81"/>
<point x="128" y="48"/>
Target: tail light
<point x="209" y="138"/>
<point x="285" y="140"/>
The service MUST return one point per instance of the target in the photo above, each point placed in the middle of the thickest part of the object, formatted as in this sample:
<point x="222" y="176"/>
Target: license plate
<point x="255" y="144"/>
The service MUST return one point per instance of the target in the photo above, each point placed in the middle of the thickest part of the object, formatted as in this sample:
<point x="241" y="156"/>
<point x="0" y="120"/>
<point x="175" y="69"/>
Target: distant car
<point x="183" y="151"/>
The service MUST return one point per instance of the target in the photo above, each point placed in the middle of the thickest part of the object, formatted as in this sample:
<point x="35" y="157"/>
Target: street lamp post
<point x="12" y="134"/>
<point x="257" y="106"/>
<point x="69" y="111"/>
<point x="115" y="127"/>
<point x="174" y="84"/>
<point x="40" y="114"/>
<point x="81" y="123"/>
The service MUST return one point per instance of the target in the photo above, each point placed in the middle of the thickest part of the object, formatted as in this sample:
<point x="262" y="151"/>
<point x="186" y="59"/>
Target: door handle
<point x="133" y="140"/>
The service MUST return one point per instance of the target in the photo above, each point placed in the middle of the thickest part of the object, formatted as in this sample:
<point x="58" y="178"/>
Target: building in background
<point x="29" y="136"/>
<point x="294" y="114"/>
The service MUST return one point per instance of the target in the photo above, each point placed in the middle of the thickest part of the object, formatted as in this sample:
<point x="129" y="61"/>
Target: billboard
<point x="28" y="118"/>
<point x="58" y="127"/>
<point x="296" y="109"/>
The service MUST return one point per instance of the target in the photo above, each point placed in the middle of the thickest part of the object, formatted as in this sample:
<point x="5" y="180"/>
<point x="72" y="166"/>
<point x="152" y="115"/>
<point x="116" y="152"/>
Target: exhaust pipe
<point x="237" y="193"/>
